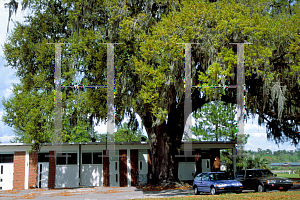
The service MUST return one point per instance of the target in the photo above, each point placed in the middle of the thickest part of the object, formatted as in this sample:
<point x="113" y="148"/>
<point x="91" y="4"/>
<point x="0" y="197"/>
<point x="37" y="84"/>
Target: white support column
<point x="128" y="168"/>
<point x="234" y="155"/>
<point x="26" y="170"/>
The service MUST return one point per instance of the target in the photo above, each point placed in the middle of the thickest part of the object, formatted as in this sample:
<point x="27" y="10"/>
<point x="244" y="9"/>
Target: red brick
<point x="134" y="166"/>
<point x="123" y="167"/>
<point x="19" y="170"/>
<point x="105" y="168"/>
<point x="52" y="165"/>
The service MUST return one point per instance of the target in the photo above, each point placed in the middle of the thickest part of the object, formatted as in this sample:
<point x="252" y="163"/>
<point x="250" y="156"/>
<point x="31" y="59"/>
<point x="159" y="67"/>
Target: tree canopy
<point x="149" y="65"/>
<point x="215" y="121"/>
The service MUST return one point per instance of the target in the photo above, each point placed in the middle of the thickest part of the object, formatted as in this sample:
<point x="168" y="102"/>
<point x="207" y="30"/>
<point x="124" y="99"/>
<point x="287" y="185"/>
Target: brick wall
<point x="33" y="170"/>
<point x="123" y="167"/>
<point x="19" y="170"/>
<point x="134" y="166"/>
<point x="52" y="166"/>
<point x="105" y="168"/>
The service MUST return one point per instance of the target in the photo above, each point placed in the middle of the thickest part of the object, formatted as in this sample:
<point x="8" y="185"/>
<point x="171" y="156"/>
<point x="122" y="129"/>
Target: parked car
<point x="261" y="180"/>
<point x="215" y="183"/>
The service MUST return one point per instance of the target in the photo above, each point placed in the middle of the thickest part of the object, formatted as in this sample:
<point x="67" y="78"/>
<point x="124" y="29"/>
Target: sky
<point x="257" y="139"/>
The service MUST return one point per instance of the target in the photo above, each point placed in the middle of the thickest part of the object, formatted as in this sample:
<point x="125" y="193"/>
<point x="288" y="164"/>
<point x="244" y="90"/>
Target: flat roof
<point x="116" y="143"/>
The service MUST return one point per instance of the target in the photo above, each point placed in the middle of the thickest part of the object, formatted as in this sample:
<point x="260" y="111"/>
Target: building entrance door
<point x="206" y="165"/>
<point x="114" y="174"/>
<point x="43" y="172"/>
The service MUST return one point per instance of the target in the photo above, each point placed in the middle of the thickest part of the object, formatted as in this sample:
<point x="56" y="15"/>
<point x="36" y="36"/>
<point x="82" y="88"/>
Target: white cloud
<point x="6" y="138"/>
<point x="7" y="92"/>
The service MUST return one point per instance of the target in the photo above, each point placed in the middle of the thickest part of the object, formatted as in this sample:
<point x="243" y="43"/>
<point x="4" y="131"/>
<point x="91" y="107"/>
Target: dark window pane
<point x="86" y="158"/>
<point x="6" y="158"/>
<point x="97" y="158"/>
<point x="72" y="158"/>
<point x="191" y="159"/>
<point x="1" y="169"/>
<point x="61" y="159"/>
<point x="43" y="157"/>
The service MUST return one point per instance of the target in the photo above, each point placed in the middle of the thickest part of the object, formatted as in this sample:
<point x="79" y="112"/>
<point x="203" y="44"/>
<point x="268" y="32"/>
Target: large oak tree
<point x="149" y="65"/>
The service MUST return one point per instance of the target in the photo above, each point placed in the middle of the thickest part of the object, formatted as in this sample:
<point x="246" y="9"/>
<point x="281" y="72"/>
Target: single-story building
<point x="294" y="164"/>
<point x="91" y="164"/>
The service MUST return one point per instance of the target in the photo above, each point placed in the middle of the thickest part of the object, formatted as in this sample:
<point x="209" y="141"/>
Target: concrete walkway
<point x="91" y="193"/>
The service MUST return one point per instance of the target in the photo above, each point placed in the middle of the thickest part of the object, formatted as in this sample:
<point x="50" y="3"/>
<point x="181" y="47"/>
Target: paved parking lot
<point x="97" y="193"/>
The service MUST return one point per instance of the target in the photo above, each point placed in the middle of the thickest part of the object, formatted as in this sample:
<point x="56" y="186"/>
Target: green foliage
<point x="261" y="159"/>
<point x="126" y="134"/>
<point x="149" y="64"/>
<point x="215" y="121"/>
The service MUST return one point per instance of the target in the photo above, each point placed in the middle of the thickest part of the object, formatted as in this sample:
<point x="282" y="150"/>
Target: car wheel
<point x="196" y="190"/>
<point x="212" y="191"/>
<point x="260" y="188"/>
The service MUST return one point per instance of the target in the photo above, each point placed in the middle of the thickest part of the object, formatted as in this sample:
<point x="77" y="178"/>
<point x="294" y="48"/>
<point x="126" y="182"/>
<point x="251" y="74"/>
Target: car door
<point x="250" y="180"/>
<point x="240" y="176"/>
<point x="205" y="184"/>
<point x="197" y="181"/>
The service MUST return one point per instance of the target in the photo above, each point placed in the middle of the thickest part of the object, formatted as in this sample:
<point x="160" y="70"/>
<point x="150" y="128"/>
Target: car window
<point x="249" y="173"/>
<point x="205" y="177"/>
<point x="198" y="176"/>
<point x="263" y="173"/>
<point x="240" y="174"/>
<point x="219" y="176"/>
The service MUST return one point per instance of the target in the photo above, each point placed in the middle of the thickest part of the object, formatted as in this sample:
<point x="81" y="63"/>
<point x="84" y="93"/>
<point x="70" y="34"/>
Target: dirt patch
<point x="112" y="191"/>
<point x="160" y="188"/>
<point x="29" y="196"/>
<point x="11" y="192"/>
<point x="9" y="197"/>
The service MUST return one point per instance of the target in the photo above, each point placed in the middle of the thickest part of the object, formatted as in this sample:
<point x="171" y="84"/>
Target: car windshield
<point x="219" y="176"/>
<point x="262" y="173"/>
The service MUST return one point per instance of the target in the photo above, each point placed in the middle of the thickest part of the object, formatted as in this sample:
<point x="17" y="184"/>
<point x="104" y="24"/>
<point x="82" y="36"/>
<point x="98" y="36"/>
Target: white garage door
<point x="92" y="169"/>
<point x="186" y="170"/>
<point x="67" y="170"/>
<point x="6" y="171"/>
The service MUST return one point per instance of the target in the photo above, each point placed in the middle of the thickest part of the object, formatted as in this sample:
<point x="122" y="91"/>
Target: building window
<point x="72" y="159"/>
<point x="66" y="158"/>
<point x="61" y="159"/>
<point x="141" y="165"/>
<point x="43" y="157"/>
<point x="1" y="169"/>
<point x="86" y="158"/>
<point x="6" y="158"/>
<point x="97" y="158"/>
<point x="92" y="158"/>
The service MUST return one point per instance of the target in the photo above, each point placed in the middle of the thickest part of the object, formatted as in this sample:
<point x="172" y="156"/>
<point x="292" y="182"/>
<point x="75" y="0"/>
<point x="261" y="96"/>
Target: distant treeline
<point x="280" y="156"/>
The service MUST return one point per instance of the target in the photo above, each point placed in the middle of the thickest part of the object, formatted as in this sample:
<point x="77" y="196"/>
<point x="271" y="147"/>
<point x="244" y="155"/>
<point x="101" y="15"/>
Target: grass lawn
<point x="288" y="175"/>
<point x="265" y="195"/>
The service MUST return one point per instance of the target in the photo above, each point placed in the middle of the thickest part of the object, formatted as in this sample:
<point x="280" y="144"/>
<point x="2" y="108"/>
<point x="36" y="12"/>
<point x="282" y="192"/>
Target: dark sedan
<point x="216" y="182"/>
<point x="261" y="180"/>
